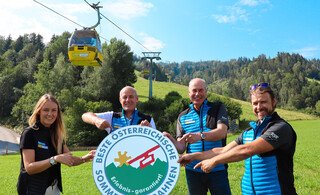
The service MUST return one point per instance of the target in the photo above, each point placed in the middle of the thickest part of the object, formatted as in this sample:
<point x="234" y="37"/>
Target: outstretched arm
<point x="93" y="119"/>
<point x="32" y="166"/>
<point x="79" y="160"/>
<point x="83" y="159"/>
<point x="235" y="154"/>
<point x="187" y="158"/>
<point x="215" y="134"/>
<point x="180" y="144"/>
<point x="218" y="133"/>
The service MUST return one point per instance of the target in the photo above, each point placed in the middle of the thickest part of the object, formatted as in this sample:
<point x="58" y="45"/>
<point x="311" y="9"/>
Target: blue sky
<point x="181" y="29"/>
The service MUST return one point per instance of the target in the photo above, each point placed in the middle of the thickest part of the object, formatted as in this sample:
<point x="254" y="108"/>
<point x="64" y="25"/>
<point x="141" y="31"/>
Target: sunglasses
<point x="259" y="85"/>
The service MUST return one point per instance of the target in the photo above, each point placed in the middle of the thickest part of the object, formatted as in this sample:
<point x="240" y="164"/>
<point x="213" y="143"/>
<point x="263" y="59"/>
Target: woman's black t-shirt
<point x="38" y="139"/>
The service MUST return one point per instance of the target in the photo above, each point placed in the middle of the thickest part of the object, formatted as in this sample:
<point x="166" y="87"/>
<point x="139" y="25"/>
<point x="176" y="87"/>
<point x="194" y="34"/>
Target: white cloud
<point x="249" y="2"/>
<point x="234" y="14"/>
<point x="238" y="11"/>
<point x="309" y="52"/>
<point x="23" y="17"/>
<point x="27" y="16"/>
<point x="128" y="9"/>
<point x="152" y="43"/>
<point x="253" y="3"/>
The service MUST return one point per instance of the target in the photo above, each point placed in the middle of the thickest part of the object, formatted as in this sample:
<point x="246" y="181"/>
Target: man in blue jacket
<point x="201" y="127"/>
<point x="267" y="147"/>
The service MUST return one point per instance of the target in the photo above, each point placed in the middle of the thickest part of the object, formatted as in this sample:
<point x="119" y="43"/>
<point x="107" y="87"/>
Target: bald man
<point x="111" y="121"/>
<point x="201" y="127"/>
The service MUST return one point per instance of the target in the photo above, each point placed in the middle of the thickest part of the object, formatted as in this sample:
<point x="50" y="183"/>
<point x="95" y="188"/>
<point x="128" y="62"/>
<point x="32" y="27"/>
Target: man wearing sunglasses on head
<point x="267" y="147"/>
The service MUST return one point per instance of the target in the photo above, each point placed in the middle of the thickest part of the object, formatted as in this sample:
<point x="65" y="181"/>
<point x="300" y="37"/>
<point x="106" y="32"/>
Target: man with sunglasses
<point x="267" y="147"/>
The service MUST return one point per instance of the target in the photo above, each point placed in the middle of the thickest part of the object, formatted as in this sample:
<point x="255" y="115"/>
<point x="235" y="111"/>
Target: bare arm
<point x="236" y="154"/>
<point x="93" y="119"/>
<point x="33" y="167"/>
<point x="218" y="133"/>
<point x="146" y="123"/>
<point x="83" y="159"/>
<point x="79" y="160"/>
<point x="187" y="158"/>
<point x="180" y="144"/>
<point x="215" y="134"/>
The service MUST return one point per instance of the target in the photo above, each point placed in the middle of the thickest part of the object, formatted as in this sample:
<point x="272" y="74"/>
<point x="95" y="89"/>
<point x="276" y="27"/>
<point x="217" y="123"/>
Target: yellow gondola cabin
<point x="84" y="48"/>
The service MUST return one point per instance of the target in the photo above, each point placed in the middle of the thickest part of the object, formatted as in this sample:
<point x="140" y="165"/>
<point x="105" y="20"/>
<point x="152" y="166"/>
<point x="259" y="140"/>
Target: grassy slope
<point x="79" y="180"/>
<point x="159" y="89"/>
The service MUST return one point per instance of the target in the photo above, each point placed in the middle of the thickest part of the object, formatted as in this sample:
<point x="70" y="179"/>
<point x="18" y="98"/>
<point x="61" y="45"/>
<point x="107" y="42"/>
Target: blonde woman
<point x="43" y="150"/>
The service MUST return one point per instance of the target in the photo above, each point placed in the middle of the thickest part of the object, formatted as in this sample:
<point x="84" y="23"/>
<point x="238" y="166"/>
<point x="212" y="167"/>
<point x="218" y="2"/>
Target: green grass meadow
<point x="159" y="89"/>
<point x="79" y="180"/>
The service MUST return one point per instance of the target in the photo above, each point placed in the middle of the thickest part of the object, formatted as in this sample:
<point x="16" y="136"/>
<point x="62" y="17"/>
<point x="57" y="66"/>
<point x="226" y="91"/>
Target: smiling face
<point x="197" y="92"/>
<point x="48" y="113"/>
<point x="262" y="104"/>
<point x="128" y="99"/>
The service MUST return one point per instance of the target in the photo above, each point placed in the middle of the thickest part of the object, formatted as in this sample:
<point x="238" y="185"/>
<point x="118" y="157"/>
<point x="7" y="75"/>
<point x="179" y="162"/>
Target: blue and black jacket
<point x="119" y="119"/>
<point x="272" y="172"/>
<point x="193" y="121"/>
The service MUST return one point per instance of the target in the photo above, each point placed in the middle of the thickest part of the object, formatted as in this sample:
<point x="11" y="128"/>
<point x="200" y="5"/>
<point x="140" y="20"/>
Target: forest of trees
<point x="30" y="68"/>
<point x="295" y="79"/>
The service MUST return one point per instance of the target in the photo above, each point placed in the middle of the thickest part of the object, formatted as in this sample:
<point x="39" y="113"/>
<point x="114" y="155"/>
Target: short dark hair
<point x="264" y="90"/>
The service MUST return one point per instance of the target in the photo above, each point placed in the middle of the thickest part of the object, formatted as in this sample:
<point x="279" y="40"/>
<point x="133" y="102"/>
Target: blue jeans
<point x="199" y="182"/>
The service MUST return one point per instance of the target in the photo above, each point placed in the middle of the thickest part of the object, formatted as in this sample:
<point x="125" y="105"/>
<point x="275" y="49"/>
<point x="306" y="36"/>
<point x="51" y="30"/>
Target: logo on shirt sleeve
<point x="42" y="145"/>
<point x="273" y="136"/>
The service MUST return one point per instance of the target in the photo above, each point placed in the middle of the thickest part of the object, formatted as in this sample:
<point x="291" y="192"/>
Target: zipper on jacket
<point x="251" y="177"/>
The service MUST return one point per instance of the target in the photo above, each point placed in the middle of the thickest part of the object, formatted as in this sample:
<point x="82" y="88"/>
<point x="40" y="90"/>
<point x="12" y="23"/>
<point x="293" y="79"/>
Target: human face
<point x="197" y="93"/>
<point x="128" y="100"/>
<point x="48" y="113"/>
<point x="262" y="104"/>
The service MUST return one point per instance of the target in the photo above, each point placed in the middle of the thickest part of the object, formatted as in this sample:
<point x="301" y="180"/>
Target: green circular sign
<point x="136" y="160"/>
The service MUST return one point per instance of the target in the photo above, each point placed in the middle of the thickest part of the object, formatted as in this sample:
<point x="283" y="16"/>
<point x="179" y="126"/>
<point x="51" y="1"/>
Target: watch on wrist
<point x="52" y="161"/>
<point x="203" y="136"/>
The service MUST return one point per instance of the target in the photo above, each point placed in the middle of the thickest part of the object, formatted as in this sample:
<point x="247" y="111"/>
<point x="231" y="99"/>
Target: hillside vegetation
<point x="160" y="89"/>
<point x="288" y="74"/>
<point x="29" y="69"/>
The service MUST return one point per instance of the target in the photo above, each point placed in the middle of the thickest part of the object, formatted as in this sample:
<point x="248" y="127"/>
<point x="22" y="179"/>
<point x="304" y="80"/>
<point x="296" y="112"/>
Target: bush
<point x="171" y="97"/>
<point x="81" y="133"/>
<point x="234" y="108"/>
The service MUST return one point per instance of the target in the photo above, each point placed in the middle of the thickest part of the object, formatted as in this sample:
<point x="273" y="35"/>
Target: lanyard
<point x="132" y="119"/>
<point x="201" y="125"/>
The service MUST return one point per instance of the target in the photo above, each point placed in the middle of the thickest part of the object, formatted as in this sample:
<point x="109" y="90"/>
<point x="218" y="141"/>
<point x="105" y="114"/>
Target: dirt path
<point x="9" y="141"/>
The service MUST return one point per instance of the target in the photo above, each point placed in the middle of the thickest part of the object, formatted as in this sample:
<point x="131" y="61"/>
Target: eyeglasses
<point x="259" y="85"/>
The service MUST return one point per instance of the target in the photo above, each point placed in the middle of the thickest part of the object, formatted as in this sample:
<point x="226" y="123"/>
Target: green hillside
<point x="160" y="89"/>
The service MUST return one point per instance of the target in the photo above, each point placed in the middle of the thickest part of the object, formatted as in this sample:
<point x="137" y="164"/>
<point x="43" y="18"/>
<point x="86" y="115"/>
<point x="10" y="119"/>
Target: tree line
<point x="29" y="68"/>
<point x="296" y="80"/>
